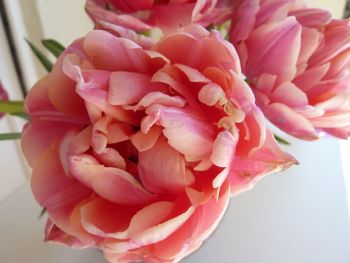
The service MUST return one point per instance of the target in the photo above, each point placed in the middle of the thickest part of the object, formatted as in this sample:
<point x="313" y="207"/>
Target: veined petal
<point x="272" y="45"/>
<point x="210" y="94"/>
<point x="246" y="171"/>
<point x="161" y="98"/>
<point x="113" y="184"/>
<point x="312" y="17"/>
<point x="129" y="87"/>
<point x="290" y="121"/>
<point x="144" y="142"/>
<point x="224" y="149"/>
<point x="192" y="74"/>
<point x="98" y="98"/>
<point x="39" y="135"/>
<point x="56" y="191"/>
<point x="101" y="217"/>
<point x="162" y="168"/>
<point x="195" y="230"/>
<point x="120" y="187"/>
<point x="181" y="127"/>
<point x="126" y="55"/>
<point x="289" y="94"/>
<point x="149" y="216"/>
<point x="189" y="51"/>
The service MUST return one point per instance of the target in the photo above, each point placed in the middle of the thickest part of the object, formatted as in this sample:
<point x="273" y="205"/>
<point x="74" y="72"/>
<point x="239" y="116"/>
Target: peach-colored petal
<point x="210" y="94"/>
<point x="153" y="234"/>
<point x="120" y="187"/>
<point x="157" y="97"/>
<point x="118" y="132"/>
<point x="54" y="190"/>
<point x="127" y="55"/>
<point x="112" y="158"/>
<point x="224" y="148"/>
<point x="113" y="184"/>
<point x="246" y="171"/>
<point x="128" y="87"/>
<point x="162" y="168"/>
<point x="189" y="49"/>
<point x="149" y="216"/>
<point x="98" y="98"/>
<point x="54" y="234"/>
<point x="290" y="95"/>
<point x="292" y="122"/>
<point x="81" y="142"/>
<point x="101" y="217"/>
<point x="181" y="127"/>
<point x="192" y="74"/>
<point x="144" y="142"/>
<point x="39" y="135"/>
<point x="202" y="223"/>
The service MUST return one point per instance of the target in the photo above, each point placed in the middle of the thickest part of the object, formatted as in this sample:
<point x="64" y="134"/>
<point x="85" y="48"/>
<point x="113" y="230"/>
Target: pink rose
<point x="168" y="15"/>
<point x="297" y="60"/>
<point x="3" y="96"/>
<point x="137" y="151"/>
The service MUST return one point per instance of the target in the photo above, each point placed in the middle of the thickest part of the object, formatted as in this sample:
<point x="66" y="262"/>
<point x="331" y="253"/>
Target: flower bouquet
<point x="145" y="128"/>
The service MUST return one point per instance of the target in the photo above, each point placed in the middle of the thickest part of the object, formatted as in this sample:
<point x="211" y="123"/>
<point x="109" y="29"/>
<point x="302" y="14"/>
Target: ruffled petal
<point x="129" y="87"/>
<point x="290" y="121"/>
<point x="113" y="184"/>
<point x="272" y="45"/>
<point x="55" y="191"/>
<point x="162" y="168"/>
<point x="181" y="127"/>
<point x="246" y="171"/>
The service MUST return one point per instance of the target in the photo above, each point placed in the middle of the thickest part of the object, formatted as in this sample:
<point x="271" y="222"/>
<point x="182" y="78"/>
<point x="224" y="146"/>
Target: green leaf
<point x="43" y="59"/>
<point x="22" y="115"/>
<point x="42" y="212"/>
<point x="10" y="136"/>
<point x="11" y="106"/>
<point x="53" y="46"/>
<point x="281" y="140"/>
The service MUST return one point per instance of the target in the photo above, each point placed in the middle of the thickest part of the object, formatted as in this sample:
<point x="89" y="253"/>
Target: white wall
<point x="13" y="172"/>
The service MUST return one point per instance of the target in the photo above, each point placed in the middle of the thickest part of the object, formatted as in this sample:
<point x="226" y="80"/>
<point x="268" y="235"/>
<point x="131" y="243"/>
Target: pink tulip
<point x="143" y="15"/>
<point x="137" y="151"/>
<point x="3" y="96"/>
<point x="297" y="61"/>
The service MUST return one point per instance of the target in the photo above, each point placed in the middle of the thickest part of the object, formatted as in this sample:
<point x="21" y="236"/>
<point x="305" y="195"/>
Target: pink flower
<point x="137" y="151"/>
<point x="3" y="96"/>
<point x="168" y="15"/>
<point x="297" y="60"/>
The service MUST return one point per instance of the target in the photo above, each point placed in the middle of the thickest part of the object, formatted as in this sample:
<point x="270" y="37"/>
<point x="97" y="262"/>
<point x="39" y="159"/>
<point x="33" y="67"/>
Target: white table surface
<point x="299" y="216"/>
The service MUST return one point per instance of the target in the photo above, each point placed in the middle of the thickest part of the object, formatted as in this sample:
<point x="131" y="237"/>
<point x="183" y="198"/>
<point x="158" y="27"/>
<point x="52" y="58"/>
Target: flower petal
<point x="272" y="45"/>
<point x="113" y="184"/>
<point x="181" y="127"/>
<point x="289" y="94"/>
<point x="162" y="168"/>
<point x="290" y="121"/>
<point x="224" y="149"/>
<point x="129" y="87"/>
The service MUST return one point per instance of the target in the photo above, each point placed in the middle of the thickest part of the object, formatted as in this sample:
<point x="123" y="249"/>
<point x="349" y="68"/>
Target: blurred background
<point x="298" y="216"/>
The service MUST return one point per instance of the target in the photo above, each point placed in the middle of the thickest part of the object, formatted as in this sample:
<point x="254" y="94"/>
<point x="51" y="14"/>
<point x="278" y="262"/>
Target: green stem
<point x="10" y="136"/>
<point x="281" y="140"/>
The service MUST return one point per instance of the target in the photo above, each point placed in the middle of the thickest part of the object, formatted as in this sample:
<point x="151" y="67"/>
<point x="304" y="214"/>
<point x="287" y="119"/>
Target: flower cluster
<point x="137" y="144"/>
<point x="297" y="60"/>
